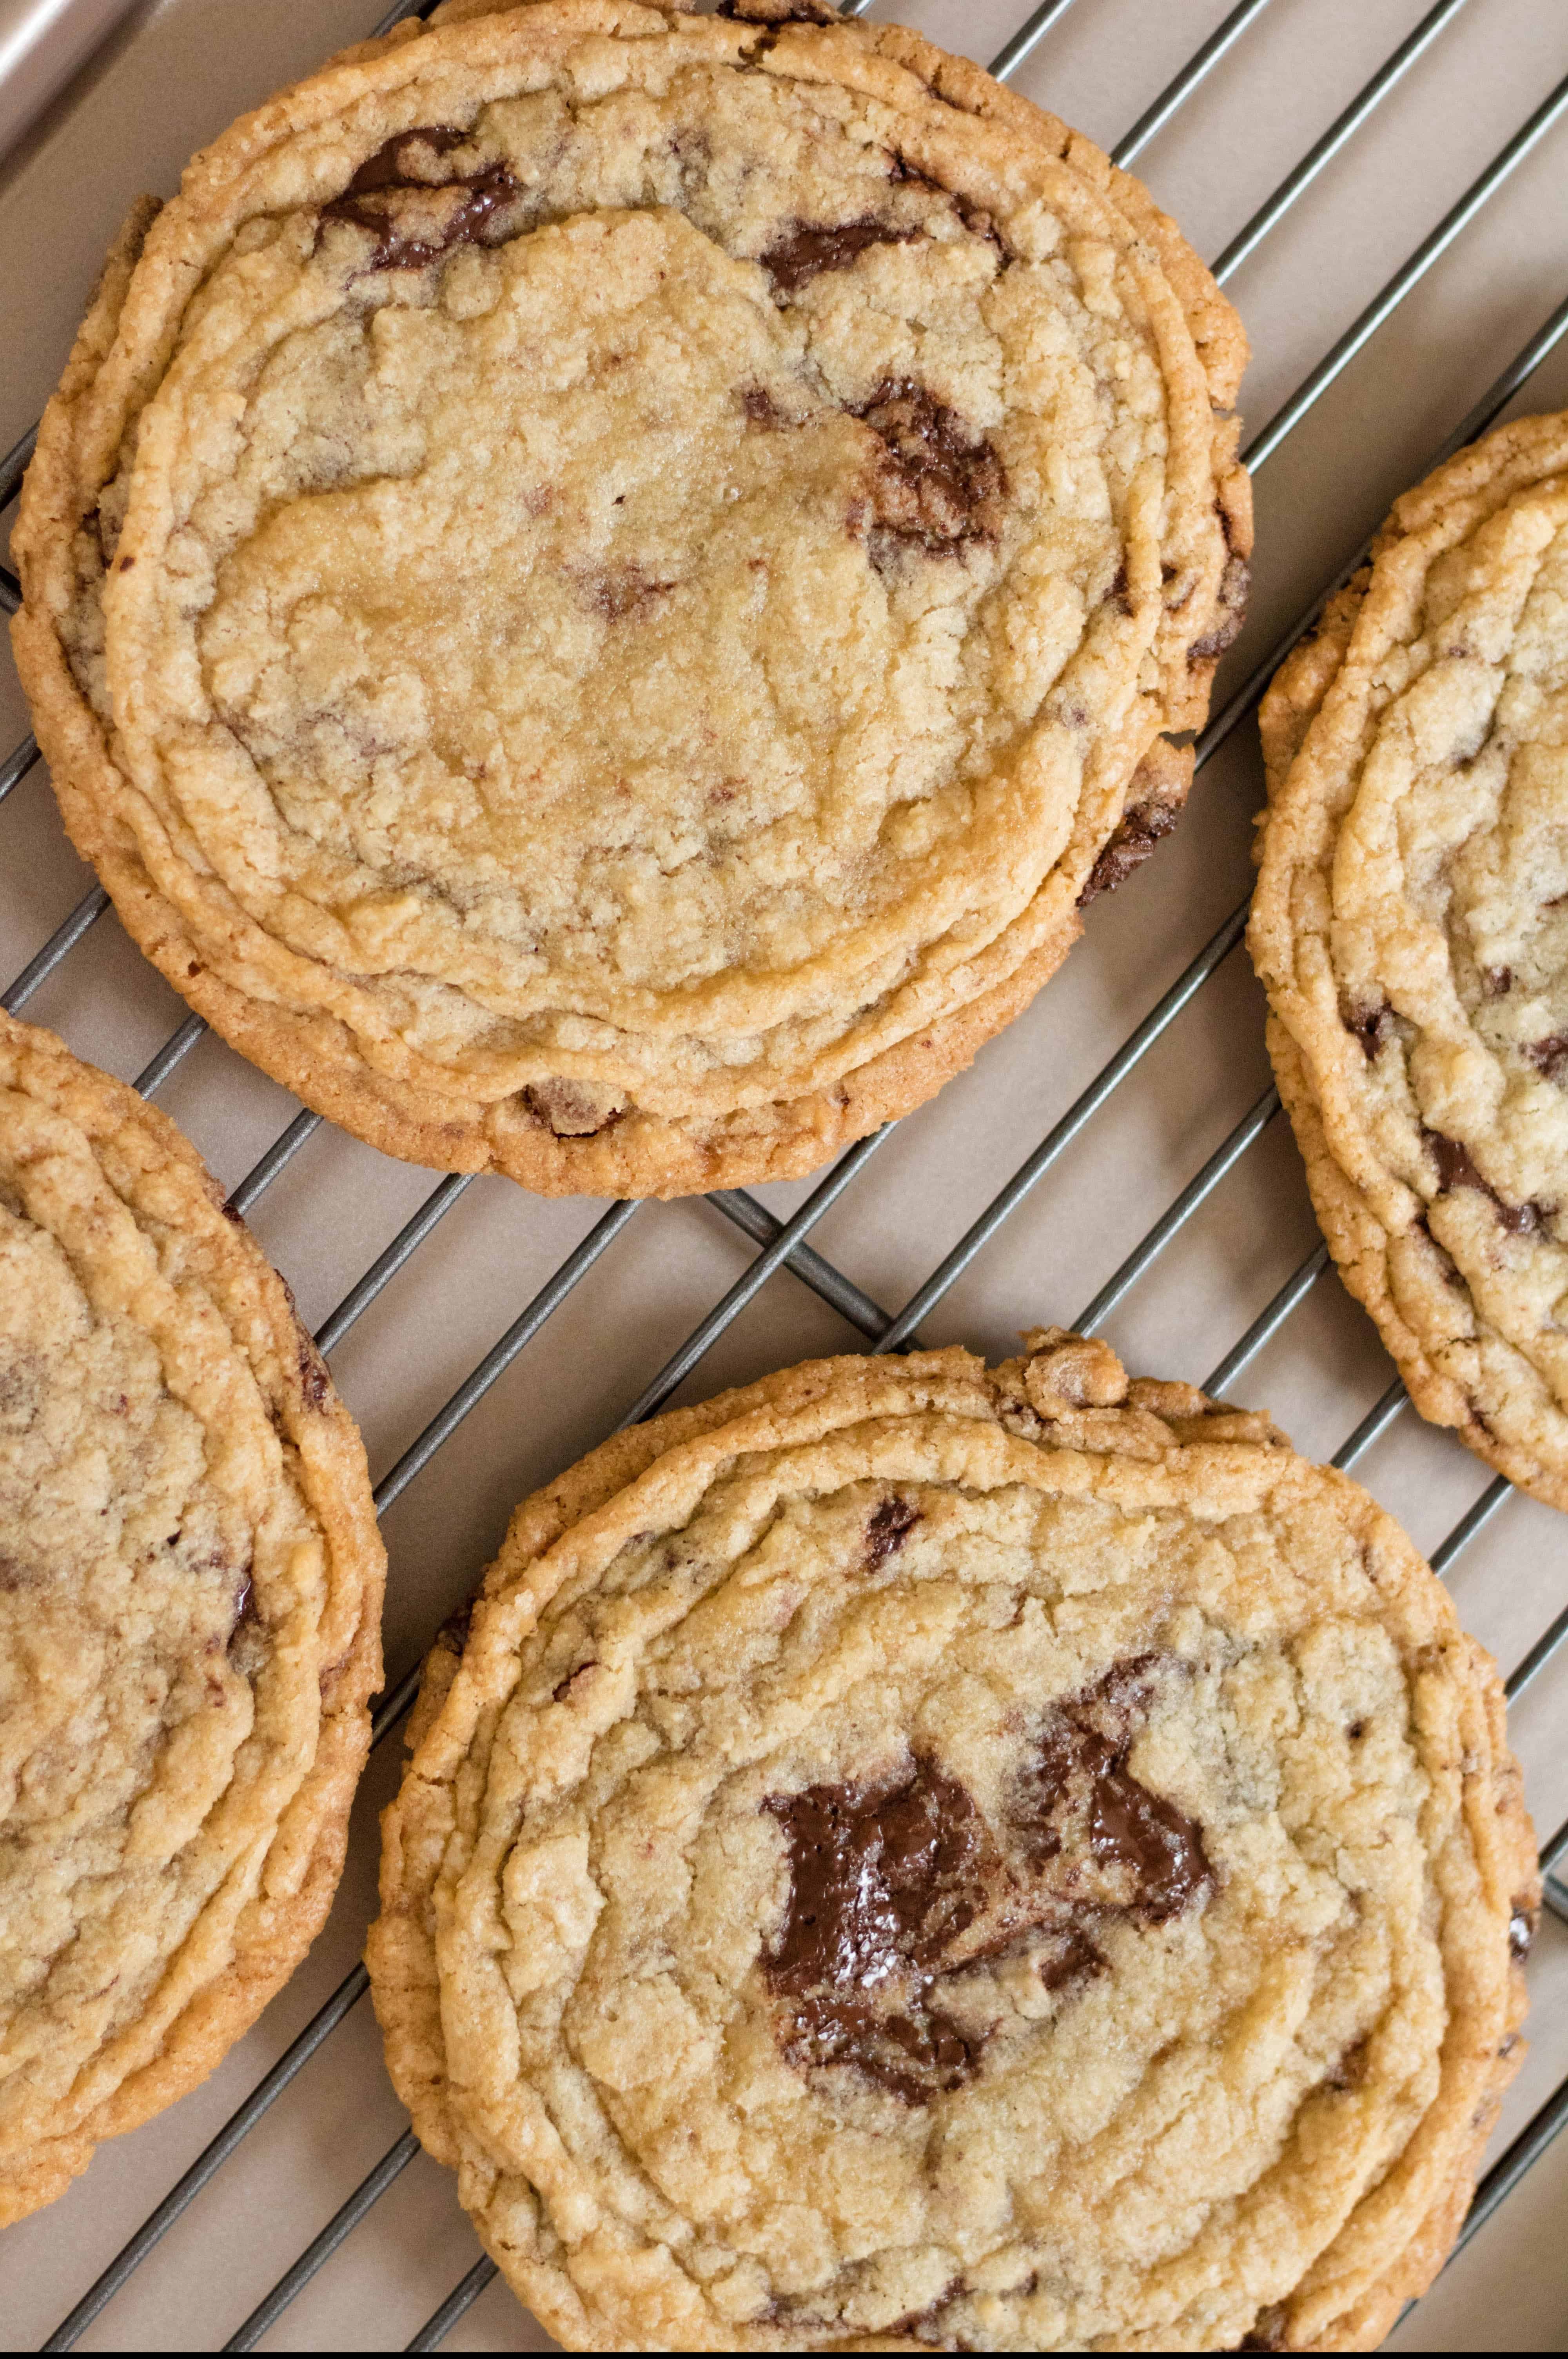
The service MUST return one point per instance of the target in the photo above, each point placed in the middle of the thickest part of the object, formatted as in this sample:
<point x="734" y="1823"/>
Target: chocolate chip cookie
<point x="191" y="1584"/>
<point x="911" y="1854"/>
<point x="602" y="586"/>
<point x="1410" y="926"/>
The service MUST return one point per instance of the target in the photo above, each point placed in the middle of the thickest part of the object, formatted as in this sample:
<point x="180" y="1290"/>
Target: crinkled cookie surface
<point x="915" y="1856"/>
<point x="191" y="1585"/>
<point x="1410" y="926"/>
<point x="601" y="585"/>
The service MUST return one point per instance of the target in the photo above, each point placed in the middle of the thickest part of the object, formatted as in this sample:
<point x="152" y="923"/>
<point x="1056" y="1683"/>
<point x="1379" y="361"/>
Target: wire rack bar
<point x="1084" y="1107"/>
<point x="1541" y="1654"/>
<point x="1176" y="93"/>
<point x="174" y="1051"/>
<point x="731" y="1304"/>
<point x="15" y="465"/>
<point x="1267" y="1323"/>
<point x="60" y="943"/>
<point x="852" y="1303"/>
<point x="1011" y="54"/>
<point x="385" y="1267"/>
<point x="783" y="1243"/>
<point x="16" y="765"/>
<point x="277" y="1160"/>
<point x="1322" y="153"/>
<point x="1359" y="334"/>
<point x="1197" y="1192"/>
<point x="1372" y="1427"/>
<point x="1474" y="1521"/>
<point x="238" y="2126"/>
<point x="342" y="2224"/>
<point x="499" y="1357"/>
<point x="439" y="2325"/>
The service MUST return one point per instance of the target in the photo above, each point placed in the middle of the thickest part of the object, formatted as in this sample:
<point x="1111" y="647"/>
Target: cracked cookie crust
<point x="911" y="1854"/>
<point x="190" y="1581"/>
<point x="1410" y="928"/>
<point x="602" y="586"/>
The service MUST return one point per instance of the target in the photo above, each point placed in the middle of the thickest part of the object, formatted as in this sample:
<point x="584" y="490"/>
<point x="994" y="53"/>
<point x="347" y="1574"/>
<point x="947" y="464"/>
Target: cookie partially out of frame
<point x="190" y="1582"/>
<point x="602" y="586"/>
<point x="911" y="1855"/>
<point x="1410" y="926"/>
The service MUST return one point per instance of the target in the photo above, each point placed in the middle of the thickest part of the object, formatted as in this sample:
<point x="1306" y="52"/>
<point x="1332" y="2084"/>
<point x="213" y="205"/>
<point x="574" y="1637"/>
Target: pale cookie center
<point x="639" y="667"/>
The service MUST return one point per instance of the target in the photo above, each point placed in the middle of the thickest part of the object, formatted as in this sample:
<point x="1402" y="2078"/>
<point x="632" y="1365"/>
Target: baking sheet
<point x="172" y="74"/>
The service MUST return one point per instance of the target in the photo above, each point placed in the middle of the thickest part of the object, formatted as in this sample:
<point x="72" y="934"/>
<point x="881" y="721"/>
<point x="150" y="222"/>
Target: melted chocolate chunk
<point x="761" y="409"/>
<point x="1269" y="2331"/>
<point x="1082" y="1798"/>
<point x="879" y="1883"/>
<point x="370" y="199"/>
<point x="454" y="1633"/>
<point x="1372" y="1027"/>
<point x="563" y="1688"/>
<point x="247" y="1647"/>
<point x="1455" y="1168"/>
<point x="897" y="1888"/>
<point x="1521" y="1929"/>
<point x="1499" y="979"/>
<point x="1550" y="1056"/>
<point x="925" y="2325"/>
<point x="938" y="485"/>
<point x="779" y="12"/>
<point x="889" y="1528"/>
<point x="807" y="248"/>
<point x="1235" y="584"/>
<point x="1351" y="2069"/>
<point x="569" y="1109"/>
<point x="313" y="1376"/>
<point x="1128" y="848"/>
<point x="1072" y="1958"/>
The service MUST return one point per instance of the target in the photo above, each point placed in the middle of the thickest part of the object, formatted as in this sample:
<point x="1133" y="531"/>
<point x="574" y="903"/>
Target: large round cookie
<point x="914" y="1854"/>
<point x="601" y="586"/>
<point x="191" y="1584"/>
<point x="1410" y="926"/>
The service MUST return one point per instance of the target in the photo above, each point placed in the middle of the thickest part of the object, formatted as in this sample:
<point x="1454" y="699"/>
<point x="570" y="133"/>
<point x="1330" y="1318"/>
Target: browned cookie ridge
<point x="912" y="1855"/>
<point x="1410" y="926"/>
<point x="602" y="586"/>
<point x="191" y="1583"/>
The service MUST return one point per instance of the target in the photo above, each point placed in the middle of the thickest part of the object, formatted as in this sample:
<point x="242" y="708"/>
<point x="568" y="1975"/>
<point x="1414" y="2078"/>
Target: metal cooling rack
<point x="783" y="1243"/>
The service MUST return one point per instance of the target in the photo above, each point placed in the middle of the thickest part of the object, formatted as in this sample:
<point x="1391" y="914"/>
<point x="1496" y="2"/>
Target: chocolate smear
<point x="1372" y="1027"/>
<point x="889" y="1528"/>
<point x="780" y="12"/>
<point x="938" y="485"/>
<point x="804" y="250"/>
<point x="880" y="1881"/>
<point x="1128" y="848"/>
<point x="1225" y="629"/>
<point x="896" y="1887"/>
<point x="1456" y="1169"/>
<point x="1082" y="1801"/>
<point x="313" y="1378"/>
<point x="1550" y="1056"/>
<point x="569" y="1109"/>
<point x="370" y="199"/>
